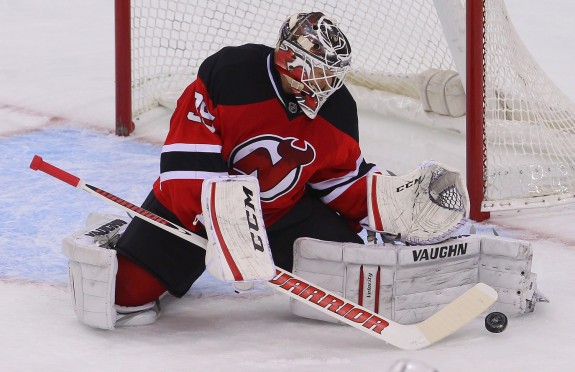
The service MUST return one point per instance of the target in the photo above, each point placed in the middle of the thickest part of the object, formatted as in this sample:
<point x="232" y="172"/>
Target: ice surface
<point x="56" y="100"/>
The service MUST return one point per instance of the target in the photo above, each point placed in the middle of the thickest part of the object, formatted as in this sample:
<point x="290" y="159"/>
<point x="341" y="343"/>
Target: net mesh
<point x="530" y="124"/>
<point x="392" y="40"/>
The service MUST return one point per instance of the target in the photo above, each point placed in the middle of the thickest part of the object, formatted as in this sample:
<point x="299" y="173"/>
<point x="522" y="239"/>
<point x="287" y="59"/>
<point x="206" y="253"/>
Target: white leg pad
<point x="93" y="266"/>
<point x="410" y="283"/>
<point x="92" y="283"/>
<point x="506" y="266"/>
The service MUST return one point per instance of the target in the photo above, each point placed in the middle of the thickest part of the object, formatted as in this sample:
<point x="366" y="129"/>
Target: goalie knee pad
<point x="92" y="271"/>
<point x="408" y="284"/>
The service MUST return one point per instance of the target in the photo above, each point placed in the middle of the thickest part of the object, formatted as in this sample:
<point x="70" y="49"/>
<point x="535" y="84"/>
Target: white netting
<point x="391" y="40"/>
<point x="530" y="125"/>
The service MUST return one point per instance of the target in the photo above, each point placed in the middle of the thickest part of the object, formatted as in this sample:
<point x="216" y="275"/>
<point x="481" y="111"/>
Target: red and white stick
<point x="409" y="337"/>
<point x="39" y="164"/>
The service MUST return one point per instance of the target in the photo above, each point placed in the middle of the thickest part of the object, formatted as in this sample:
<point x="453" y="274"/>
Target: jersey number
<point x="203" y="111"/>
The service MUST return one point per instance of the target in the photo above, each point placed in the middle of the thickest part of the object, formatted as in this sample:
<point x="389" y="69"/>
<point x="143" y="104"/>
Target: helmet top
<point x="315" y="56"/>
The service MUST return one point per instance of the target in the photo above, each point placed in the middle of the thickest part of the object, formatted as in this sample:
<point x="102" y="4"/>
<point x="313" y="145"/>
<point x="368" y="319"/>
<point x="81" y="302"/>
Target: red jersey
<point x="236" y="119"/>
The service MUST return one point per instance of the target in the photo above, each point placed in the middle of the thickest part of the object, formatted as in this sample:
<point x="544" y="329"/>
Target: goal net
<point x="527" y="125"/>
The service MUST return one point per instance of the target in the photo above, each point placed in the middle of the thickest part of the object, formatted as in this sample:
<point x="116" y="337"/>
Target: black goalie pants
<point x="177" y="264"/>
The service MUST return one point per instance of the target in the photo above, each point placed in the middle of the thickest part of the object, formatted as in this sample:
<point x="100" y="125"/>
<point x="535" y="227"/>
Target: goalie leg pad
<point x="92" y="272"/>
<point x="400" y="283"/>
<point x="506" y="266"/>
<point x="408" y="284"/>
<point x="93" y="266"/>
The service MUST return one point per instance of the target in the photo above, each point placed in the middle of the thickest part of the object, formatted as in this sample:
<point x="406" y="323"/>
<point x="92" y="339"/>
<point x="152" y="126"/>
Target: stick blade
<point x="458" y="313"/>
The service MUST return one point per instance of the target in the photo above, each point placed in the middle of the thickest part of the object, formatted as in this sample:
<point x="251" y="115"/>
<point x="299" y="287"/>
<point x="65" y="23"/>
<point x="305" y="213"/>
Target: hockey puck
<point x="496" y="322"/>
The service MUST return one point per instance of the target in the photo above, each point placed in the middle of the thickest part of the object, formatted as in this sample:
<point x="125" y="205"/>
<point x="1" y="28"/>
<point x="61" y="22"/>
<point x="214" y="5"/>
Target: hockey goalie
<point x="263" y="160"/>
<point x="237" y="252"/>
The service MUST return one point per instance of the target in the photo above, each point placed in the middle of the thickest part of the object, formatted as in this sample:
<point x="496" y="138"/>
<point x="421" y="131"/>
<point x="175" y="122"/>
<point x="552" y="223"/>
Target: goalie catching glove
<point x="425" y="207"/>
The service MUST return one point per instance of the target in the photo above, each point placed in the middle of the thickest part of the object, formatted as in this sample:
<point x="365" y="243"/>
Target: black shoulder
<point x="238" y="75"/>
<point x="341" y="111"/>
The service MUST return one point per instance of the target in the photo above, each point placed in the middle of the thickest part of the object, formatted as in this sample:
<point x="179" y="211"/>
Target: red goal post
<point x="520" y="128"/>
<point x="123" y="62"/>
<point x="475" y="123"/>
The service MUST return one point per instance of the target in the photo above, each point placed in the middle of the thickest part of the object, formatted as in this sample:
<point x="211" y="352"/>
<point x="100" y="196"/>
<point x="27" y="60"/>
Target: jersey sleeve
<point x="191" y="153"/>
<point x="343" y="187"/>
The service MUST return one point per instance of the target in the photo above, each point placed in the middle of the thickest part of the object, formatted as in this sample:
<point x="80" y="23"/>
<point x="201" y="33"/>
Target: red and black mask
<point x="315" y="56"/>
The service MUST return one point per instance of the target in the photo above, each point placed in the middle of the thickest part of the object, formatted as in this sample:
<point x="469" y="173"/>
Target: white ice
<point x="56" y="100"/>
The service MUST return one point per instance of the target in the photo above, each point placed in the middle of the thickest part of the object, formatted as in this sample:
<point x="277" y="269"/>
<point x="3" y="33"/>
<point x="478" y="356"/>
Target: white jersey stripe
<point x="190" y="175"/>
<point x="192" y="147"/>
<point x="340" y="190"/>
<point x="273" y="82"/>
<point x="336" y="181"/>
<point x="337" y="192"/>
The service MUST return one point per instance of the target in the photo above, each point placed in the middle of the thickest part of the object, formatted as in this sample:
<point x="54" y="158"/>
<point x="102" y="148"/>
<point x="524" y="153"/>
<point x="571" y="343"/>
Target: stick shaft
<point x="416" y="336"/>
<point x="39" y="164"/>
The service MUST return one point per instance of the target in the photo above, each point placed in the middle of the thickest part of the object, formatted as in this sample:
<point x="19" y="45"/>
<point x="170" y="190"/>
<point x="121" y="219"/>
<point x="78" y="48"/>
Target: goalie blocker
<point x="408" y="284"/>
<point x="237" y="251"/>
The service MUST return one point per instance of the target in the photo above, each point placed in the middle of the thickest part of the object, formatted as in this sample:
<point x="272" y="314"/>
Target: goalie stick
<point x="409" y="337"/>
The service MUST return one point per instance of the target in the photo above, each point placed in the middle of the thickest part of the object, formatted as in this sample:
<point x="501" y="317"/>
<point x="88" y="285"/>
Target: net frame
<point x="547" y="126"/>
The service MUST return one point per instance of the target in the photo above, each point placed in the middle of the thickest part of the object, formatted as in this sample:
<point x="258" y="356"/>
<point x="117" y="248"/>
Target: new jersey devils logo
<point x="277" y="162"/>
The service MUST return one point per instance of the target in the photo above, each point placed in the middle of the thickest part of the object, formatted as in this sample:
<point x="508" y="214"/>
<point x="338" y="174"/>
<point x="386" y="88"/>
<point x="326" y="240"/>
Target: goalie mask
<point x="315" y="56"/>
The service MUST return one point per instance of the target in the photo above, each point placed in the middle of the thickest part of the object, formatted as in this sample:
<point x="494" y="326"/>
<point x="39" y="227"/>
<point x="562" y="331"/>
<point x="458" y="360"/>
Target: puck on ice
<point x="496" y="322"/>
